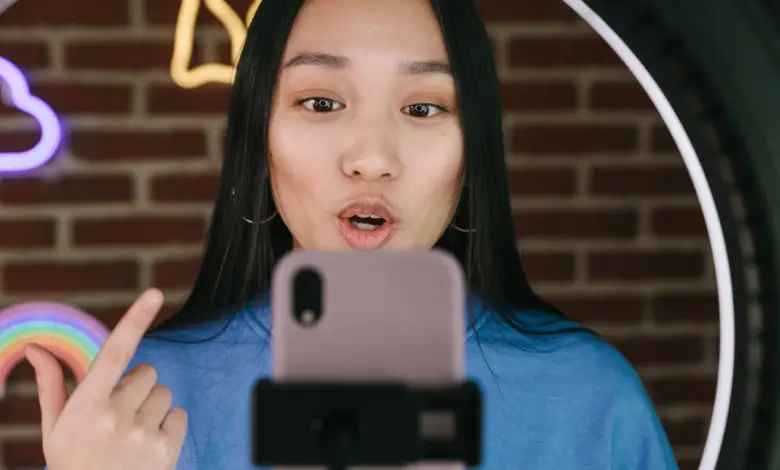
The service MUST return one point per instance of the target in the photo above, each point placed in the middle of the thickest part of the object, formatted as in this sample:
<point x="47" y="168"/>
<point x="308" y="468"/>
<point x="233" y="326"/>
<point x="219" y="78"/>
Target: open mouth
<point x="366" y="226"/>
<point x="367" y="221"/>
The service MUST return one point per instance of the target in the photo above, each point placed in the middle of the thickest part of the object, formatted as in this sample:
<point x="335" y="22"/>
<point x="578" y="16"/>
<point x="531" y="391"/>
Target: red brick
<point x="119" y="55"/>
<point x="646" y="265"/>
<point x="501" y="11"/>
<point x="224" y="53"/>
<point x="66" y="13"/>
<point x="661" y="140"/>
<point x="542" y="181"/>
<point x="165" y="13"/>
<point x="178" y="273"/>
<point x="577" y="224"/>
<point x="9" y="111"/>
<point x="18" y="141"/>
<point x="564" y="51"/>
<point x="573" y="138"/>
<point x="138" y="230"/>
<point x="107" y="315"/>
<point x="685" y="307"/>
<point x="24" y="454"/>
<point x="646" y="351"/>
<point x="26" y="55"/>
<point x="637" y="180"/>
<point x="546" y="95"/>
<point x="185" y="188"/>
<point x="24" y="373"/>
<point x="549" y="267"/>
<point x="70" y="190"/>
<point x="73" y="98"/>
<point x="676" y="221"/>
<point x="620" y="96"/>
<point x="110" y="315"/>
<point x="108" y="146"/>
<point x="19" y="410"/>
<point x="69" y="277"/>
<point x="208" y="99"/>
<point x="678" y="390"/>
<point x="30" y="233"/>
<point x="688" y="431"/>
<point x="600" y="308"/>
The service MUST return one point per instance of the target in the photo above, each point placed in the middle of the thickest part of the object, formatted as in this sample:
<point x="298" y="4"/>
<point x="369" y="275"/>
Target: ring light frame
<point x="712" y="219"/>
<point x="717" y="85"/>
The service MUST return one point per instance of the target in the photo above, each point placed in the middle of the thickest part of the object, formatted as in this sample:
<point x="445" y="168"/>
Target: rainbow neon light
<point x="16" y="93"/>
<point x="75" y="337"/>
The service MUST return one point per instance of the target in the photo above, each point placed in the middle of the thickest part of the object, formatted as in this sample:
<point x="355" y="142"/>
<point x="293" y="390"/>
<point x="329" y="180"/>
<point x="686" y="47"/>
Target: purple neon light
<point x="18" y="94"/>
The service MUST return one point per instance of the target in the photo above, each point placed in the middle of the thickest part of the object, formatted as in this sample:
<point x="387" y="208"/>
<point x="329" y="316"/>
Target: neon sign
<point x="16" y="93"/>
<point x="184" y="40"/>
<point x="70" y="334"/>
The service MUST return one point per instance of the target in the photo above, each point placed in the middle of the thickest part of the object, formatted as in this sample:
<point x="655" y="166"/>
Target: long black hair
<point x="240" y="256"/>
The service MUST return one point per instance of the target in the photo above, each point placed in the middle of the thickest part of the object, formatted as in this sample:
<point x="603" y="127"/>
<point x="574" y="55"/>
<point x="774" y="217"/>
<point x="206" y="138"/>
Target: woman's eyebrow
<point x="342" y="62"/>
<point x="426" y="66"/>
<point x="317" y="58"/>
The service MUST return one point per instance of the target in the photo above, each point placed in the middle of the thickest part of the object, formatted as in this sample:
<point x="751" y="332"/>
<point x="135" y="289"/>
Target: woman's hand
<point x="110" y="422"/>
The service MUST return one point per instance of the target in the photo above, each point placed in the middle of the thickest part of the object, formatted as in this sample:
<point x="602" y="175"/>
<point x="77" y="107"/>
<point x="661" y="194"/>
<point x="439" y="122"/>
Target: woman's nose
<point x="371" y="168"/>
<point x="373" y="157"/>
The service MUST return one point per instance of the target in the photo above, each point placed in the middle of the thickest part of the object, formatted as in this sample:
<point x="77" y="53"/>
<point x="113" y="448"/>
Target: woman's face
<point x="365" y="144"/>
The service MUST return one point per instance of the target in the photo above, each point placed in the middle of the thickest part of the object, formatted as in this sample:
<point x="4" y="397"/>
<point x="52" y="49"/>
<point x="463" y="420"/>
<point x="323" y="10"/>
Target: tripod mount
<point x="339" y="425"/>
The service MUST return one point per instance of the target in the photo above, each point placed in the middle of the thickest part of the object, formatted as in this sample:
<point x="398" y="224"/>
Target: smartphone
<point x="370" y="317"/>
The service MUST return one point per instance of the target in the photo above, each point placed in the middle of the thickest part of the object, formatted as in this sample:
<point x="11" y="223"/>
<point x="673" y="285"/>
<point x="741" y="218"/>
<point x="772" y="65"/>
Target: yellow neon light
<point x="184" y="41"/>
<point x="250" y="13"/>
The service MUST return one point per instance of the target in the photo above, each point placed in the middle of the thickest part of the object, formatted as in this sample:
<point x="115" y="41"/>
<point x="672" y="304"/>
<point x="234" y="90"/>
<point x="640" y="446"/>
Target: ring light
<point x="714" y="228"/>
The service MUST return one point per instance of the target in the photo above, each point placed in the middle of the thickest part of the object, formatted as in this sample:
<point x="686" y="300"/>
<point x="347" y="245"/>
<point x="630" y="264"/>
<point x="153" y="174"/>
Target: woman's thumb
<point x="52" y="393"/>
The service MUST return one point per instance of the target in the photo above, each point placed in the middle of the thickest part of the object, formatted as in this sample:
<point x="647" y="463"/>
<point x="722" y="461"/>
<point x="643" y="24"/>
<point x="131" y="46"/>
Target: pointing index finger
<point x="120" y="346"/>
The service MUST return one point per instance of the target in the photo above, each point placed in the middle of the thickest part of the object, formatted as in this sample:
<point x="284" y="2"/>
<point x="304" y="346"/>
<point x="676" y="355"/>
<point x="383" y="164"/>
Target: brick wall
<point x="610" y="228"/>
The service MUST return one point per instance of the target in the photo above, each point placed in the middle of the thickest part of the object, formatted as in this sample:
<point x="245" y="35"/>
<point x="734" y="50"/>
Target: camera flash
<point x="308" y="317"/>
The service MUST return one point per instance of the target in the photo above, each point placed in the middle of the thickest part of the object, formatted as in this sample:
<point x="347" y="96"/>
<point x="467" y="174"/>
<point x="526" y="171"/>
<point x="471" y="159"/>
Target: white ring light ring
<point x="6" y="4"/>
<point x="715" y="230"/>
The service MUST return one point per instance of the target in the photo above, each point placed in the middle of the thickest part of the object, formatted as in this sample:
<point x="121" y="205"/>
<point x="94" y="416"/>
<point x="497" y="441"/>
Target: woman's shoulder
<point x="560" y="350"/>
<point x="567" y="380"/>
<point x="181" y="353"/>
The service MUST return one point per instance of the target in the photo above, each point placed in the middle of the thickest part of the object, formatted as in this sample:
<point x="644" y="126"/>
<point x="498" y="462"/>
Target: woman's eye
<point x="423" y="110"/>
<point x="320" y="105"/>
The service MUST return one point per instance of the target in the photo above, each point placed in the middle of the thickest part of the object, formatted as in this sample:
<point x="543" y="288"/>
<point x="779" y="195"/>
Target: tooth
<point x="363" y="226"/>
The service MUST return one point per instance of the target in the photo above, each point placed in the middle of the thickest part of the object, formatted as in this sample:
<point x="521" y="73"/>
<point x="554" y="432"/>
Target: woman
<point x="354" y="124"/>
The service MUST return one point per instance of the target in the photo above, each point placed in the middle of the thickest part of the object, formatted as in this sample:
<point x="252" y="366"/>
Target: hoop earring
<point x="264" y="221"/>
<point x="463" y="230"/>
<point x="250" y="221"/>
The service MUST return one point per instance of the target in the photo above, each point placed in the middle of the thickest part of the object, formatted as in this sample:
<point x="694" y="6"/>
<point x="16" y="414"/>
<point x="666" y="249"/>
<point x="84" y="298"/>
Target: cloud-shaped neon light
<point x="17" y="93"/>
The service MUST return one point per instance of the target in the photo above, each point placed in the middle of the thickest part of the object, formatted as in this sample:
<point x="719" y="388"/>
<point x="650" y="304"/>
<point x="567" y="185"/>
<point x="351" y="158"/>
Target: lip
<point x="364" y="240"/>
<point x="374" y="208"/>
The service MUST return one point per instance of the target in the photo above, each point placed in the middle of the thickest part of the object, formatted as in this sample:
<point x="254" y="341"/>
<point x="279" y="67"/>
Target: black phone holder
<point x="339" y="425"/>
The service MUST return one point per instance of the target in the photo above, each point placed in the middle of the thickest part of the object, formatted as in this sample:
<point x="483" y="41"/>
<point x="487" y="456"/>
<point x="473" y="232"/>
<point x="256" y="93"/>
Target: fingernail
<point x="154" y="295"/>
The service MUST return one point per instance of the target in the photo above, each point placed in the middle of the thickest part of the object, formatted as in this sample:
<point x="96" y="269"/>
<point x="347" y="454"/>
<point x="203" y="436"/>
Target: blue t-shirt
<point x="568" y="401"/>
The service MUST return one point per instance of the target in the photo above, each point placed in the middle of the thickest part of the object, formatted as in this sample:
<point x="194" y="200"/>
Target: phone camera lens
<point x="308" y="317"/>
<point x="307" y="297"/>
